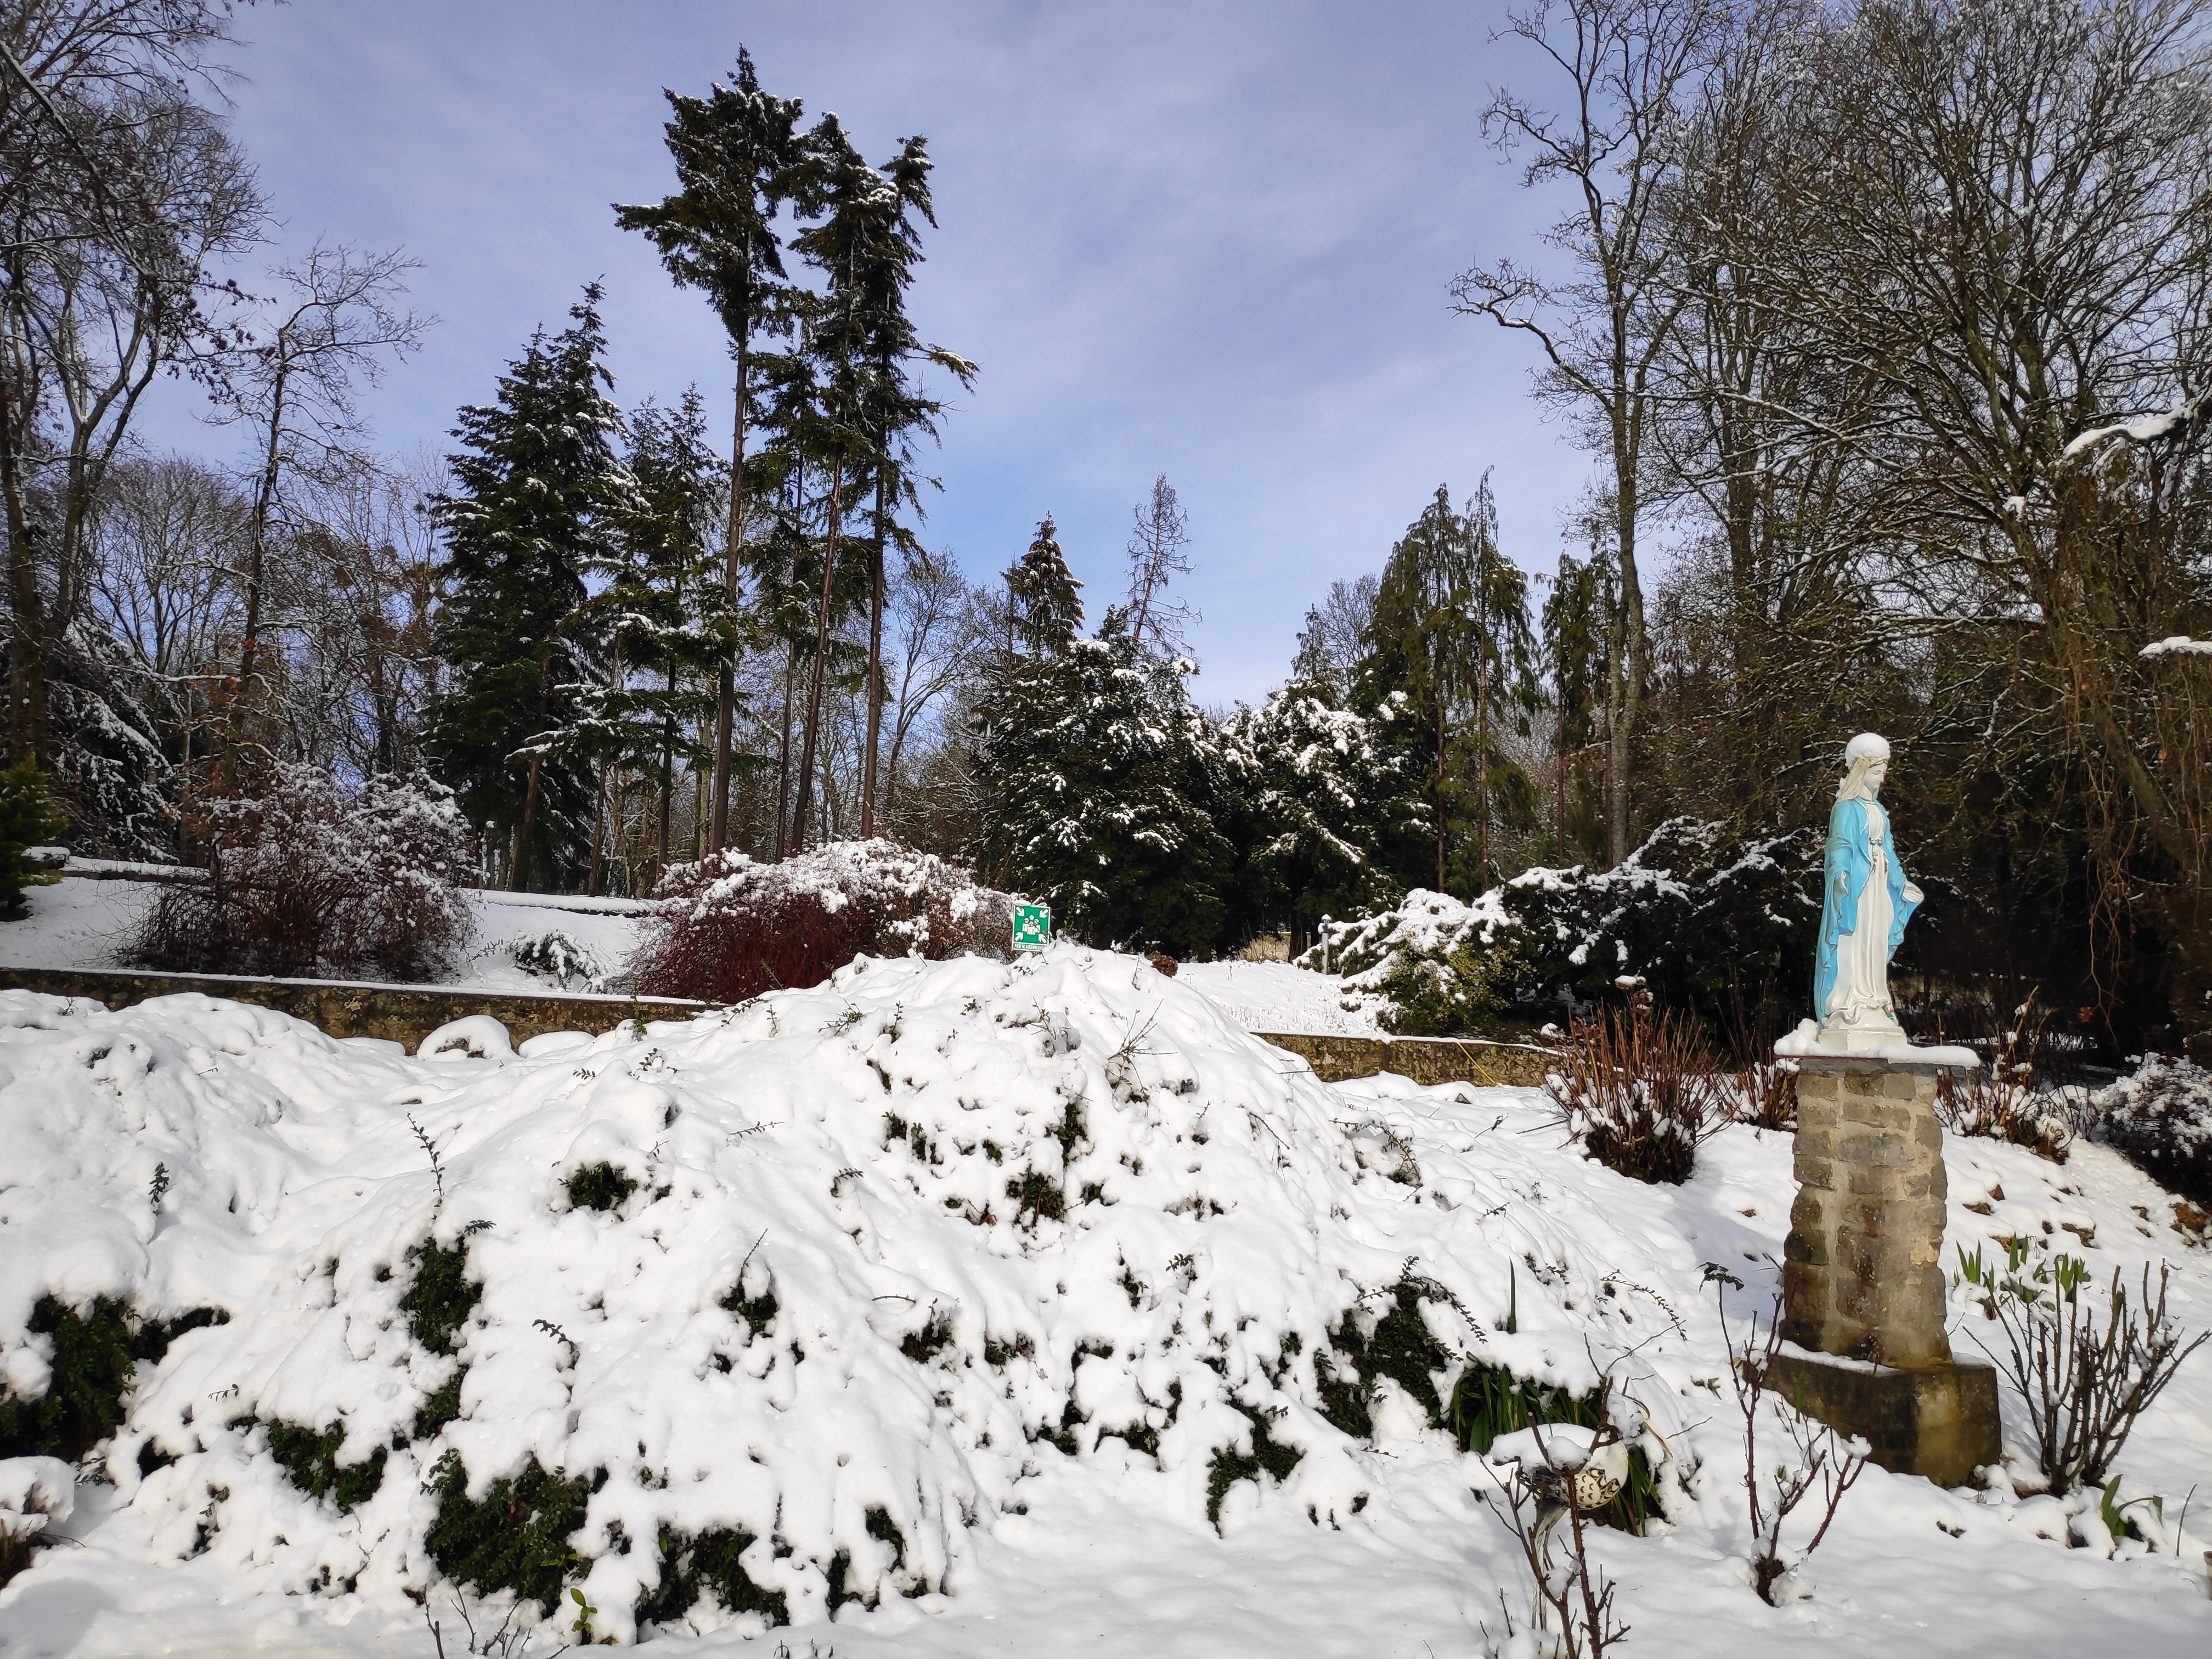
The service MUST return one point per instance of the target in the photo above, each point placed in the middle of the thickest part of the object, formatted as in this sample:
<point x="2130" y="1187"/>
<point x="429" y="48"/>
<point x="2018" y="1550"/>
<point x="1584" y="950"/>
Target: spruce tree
<point x="1331" y="792"/>
<point x="1574" y="654"/>
<point x="664" y="611"/>
<point x="736" y="153"/>
<point x="1104" y="789"/>
<point x="1047" y="599"/>
<point x="1451" y="631"/>
<point x="539" y="498"/>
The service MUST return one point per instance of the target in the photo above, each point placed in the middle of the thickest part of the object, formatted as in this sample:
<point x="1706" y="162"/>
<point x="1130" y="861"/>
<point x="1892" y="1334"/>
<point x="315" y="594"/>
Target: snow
<point x="1278" y="996"/>
<point x="2178" y="645"/>
<point x="2144" y="429"/>
<point x="1235" y="1212"/>
<point x="1804" y="1044"/>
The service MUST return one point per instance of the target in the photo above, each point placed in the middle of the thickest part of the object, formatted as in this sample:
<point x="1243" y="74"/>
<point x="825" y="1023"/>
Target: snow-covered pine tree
<point x="735" y="150"/>
<point x="1330" y="794"/>
<point x="1103" y="787"/>
<point x="1047" y="600"/>
<point x="664" y="614"/>
<point x="539" y="498"/>
<point x="1449" y="630"/>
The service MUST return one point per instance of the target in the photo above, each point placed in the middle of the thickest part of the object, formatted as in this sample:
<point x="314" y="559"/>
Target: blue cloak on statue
<point x="1849" y="867"/>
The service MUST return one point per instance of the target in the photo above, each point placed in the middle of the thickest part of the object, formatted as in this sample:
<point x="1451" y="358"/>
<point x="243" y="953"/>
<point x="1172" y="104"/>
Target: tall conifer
<point x="538" y="498"/>
<point x="736" y="152"/>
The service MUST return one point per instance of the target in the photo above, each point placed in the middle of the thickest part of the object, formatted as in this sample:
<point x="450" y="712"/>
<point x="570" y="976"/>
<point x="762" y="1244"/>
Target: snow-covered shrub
<point x="36" y="1494"/>
<point x="315" y="877"/>
<point x="1439" y="967"/>
<point x="1640" y="1090"/>
<point x="557" y="955"/>
<point x="1703" y="914"/>
<point x="729" y="927"/>
<point x="733" y="1403"/>
<point x="28" y="819"/>
<point x="2161" y="1119"/>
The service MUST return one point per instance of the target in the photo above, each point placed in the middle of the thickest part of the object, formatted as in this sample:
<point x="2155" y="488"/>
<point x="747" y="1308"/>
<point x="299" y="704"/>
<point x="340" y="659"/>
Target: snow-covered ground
<point x="1273" y="996"/>
<point x="827" y="1311"/>
<point x="81" y="922"/>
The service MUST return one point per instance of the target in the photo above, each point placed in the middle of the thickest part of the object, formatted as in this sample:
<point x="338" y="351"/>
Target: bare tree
<point x="116" y="191"/>
<point x="292" y="385"/>
<point x="1628" y="67"/>
<point x="1156" y="559"/>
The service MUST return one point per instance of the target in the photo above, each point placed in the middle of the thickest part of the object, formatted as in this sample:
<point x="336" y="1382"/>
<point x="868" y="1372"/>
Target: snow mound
<point x="895" y="1287"/>
<point x="874" y="1251"/>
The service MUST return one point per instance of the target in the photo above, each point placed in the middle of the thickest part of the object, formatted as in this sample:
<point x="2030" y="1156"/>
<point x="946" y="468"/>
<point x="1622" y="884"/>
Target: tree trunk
<point x="1624" y="683"/>
<point x="599" y="830"/>
<point x="257" y="545"/>
<point x="530" y="795"/>
<point x="821" y="665"/>
<point x="783" y="749"/>
<point x="875" y="661"/>
<point x="26" y="664"/>
<point x="725" y="704"/>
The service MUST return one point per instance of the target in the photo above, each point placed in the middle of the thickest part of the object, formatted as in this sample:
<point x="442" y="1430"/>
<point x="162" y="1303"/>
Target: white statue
<point x="1864" y="906"/>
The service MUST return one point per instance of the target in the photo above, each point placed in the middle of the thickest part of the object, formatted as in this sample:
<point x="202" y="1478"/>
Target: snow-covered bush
<point x="1437" y="967"/>
<point x="556" y="954"/>
<point x="1706" y="917"/>
<point x="896" y="1248"/>
<point x="2160" y="1118"/>
<point x="313" y="876"/>
<point x="28" y="819"/>
<point x="729" y="927"/>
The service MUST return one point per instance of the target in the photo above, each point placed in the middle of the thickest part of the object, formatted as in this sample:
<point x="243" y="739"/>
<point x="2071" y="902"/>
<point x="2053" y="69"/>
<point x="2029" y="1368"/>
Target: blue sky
<point x="1210" y="239"/>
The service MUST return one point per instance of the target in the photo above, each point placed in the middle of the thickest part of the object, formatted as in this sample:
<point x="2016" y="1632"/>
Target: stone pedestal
<point x="1862" y="1277"/>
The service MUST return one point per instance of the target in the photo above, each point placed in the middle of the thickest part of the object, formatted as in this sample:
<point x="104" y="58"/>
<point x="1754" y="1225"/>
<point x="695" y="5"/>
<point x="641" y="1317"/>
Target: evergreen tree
<point x="1046" y="599"/>
<point x="1574" y="633"/>
<point x="1102" y="788"/>
<point x="736" y="153"/>
<point x="1450" y="629"/>
<point x="1331" y="792"/>
<point x="664" y="613"/>
<point x="539" y="499"/>
<point x="27" y="819"/>
<point x="1504" y="647"/>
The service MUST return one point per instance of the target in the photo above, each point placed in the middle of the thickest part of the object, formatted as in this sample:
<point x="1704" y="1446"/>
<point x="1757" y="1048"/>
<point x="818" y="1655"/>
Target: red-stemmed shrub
<point x="729" y="927"/>
<point x="313" y="877"/>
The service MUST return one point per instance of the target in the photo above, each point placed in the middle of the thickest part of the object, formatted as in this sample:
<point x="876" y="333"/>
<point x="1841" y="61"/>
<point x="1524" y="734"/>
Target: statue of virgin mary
<point x="1865" y="904"/>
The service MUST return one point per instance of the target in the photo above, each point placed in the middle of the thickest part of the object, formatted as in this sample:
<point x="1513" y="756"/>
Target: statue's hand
<point x="1912" y="894"/>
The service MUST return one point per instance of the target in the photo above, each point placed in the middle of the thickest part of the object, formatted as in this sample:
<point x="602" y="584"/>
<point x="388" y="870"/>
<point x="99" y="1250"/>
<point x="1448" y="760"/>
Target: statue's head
<point x="1866" y="763"/>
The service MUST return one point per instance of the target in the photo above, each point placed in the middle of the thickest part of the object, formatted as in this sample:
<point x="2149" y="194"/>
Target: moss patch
<point x="312" y="1460"/>
<point x="515" y="1538"/>
<point x="709" y="1564"/>
<point x="96" y="1353"/>
<point x="598" y="1187"/>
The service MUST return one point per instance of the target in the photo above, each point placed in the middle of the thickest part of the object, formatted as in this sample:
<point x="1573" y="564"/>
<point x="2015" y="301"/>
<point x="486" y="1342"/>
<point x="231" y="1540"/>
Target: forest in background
<point x="1883" y="326"/>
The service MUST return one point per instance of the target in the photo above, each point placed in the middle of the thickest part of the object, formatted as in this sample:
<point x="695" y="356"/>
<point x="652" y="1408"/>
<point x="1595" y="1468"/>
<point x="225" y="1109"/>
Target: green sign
<point x="1032" y="927"/>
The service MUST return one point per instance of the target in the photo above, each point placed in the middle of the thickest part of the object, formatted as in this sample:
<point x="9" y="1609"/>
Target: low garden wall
<point x="1425" y="1060"/>
<point x="408" y="1013"/>
<point x="403" y="1014"/>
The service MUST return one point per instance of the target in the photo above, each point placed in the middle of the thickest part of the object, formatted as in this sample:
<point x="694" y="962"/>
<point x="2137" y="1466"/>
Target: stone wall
<point x="1863" y="1276"/>
<point x="345" y="1009"/>
<point x="1425" y="1060"/>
